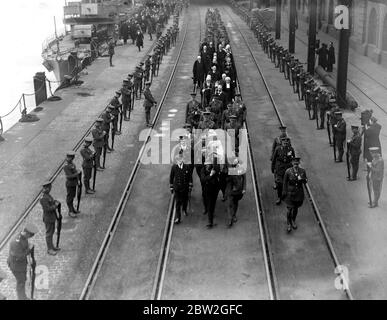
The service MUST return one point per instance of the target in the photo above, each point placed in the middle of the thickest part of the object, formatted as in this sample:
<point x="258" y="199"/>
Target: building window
<point x="385" y="34"/>
<point x="372" y="27"/>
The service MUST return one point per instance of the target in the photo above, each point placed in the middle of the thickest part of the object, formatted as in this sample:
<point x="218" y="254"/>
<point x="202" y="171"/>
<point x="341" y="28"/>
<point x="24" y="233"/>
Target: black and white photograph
<point x="193" y="155"/>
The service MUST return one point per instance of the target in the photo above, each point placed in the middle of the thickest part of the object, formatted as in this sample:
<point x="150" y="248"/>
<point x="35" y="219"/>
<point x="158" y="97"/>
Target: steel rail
<point x="100" y="258"/>
<point x="168" y="231"/>
<point x="309" y="192"/>
<point x="262" y="225"/>
<point x="53" y="177"/>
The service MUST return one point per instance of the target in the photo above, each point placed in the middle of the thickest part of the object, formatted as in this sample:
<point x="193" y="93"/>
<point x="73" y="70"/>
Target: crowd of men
<point x="220" y="107"/>
<point x="321" y="106"/>
<point x="102" y="139"/>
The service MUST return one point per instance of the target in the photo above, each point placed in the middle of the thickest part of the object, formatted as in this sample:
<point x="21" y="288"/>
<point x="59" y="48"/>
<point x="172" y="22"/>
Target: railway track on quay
<point x="172" y="264"/>
<point x="312" y="205"/>
<point x="35" y="201"/>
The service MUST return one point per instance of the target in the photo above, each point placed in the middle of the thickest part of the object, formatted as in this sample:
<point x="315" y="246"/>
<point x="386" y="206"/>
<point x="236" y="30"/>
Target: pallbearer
<point x="376" y="171"/>
<point x="354" y="150"/>
<point x="50" y="207"/>
<point x="293" y="191"/>
<point x="88" y="164"/>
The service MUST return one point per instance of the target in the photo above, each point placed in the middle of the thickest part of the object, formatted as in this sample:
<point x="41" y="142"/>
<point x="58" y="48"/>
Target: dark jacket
<point x="198" y="71"/>
<point x="49" y="208"/>
<point x="293" y="189"/>
<point x="236" y="184"/>
<point x="180" y="179"/>
<point x="149" y="100"/>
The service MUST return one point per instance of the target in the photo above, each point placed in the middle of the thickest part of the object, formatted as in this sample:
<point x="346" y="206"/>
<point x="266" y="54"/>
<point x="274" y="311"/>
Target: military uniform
<point x="88" y="164"/>
<point x="126" y="99"/>
<point x="149" y="102"/>
<point x="206" y="123"/>
<point x="107" y="119"/>
<point x="293" y="192"/>
<point x="49" y="206"/>
<point x="72" y="179"/>
<point x="98" y="141"/>
<point x="235" y="189"/>
<point x="376" y="175"/>
<point x="354" y="149"/>
<point x="192" y="108"/>
<point x="115" y="102"/>
<point x="19" y="250"/>
<point x="340" y="132"/>
<point x="210" y="190"/>
<point x="180" y="181"/>
<point x="282" y="160"/>
<point x="138" y="82"/>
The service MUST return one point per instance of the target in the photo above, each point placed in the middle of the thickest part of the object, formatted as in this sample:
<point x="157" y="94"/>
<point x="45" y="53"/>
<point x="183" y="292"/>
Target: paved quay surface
<point x="202" y="264"/>
<point x="357" y="232"/>
<point x="77" y="254"/>
<point x="296" y="277"/>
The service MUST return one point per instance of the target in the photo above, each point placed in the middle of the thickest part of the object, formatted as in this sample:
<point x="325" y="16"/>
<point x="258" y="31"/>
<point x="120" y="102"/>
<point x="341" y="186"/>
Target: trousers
<point x="50" y="230"/>
<point x="233" y="203"/>
<point x="181" y="202"/>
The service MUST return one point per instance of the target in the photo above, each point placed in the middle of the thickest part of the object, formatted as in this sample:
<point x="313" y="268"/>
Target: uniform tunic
<point x="49" y="217"/>
<point x="181" y="180"/>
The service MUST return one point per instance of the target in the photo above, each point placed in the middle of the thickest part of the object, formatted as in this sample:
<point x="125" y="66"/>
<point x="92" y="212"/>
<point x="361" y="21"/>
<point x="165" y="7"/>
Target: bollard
<point x="40" y="88"/>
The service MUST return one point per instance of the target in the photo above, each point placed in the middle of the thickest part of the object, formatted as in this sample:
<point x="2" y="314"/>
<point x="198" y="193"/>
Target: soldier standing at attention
<point x="293" y="192"/>
<point x="340" y="132"/>
<point x="282" y="160"/>
<point x="50" y="207"/>
<point x="180" y="182"/>
<point x="88" y="164"/>
<point x="148" y="103"/>
<point x="111" y="51"/>
<point x="115" y="102"/>
<point x="377" y="174"/>
<point x="98" y="141"/>
<point x="126" y="99"/>
<point x="19" y="250"/>
<point x="107" y="119"/>
<point x="192" y="106"/>
<point x="354" y="149"/>
<point x="72" y="179"/>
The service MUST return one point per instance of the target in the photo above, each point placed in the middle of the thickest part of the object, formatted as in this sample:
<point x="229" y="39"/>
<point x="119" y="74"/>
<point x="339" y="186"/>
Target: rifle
<point x="316" y="116"/>
<point x="79" y="191"/>
<point x="59" y="225"/>
<point x="132" y="104"/>
<point x="113" y="137"/>
<point x="121" y="117"/>
<point x="347" y="160"/>
<point x="95" y="172"/>
<point x="334" y="145"/>
<point x="329" y="129"/>
<point x="104" y="155"/>
<point x="369" y="186"/>
<point x="32" y="271"/>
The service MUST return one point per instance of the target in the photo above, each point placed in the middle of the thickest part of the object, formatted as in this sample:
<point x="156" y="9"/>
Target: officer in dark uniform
<point x="354" y="149"/>
<point x="322" y="105"/>
<point x="19" y="250"/>
<point x="50" y="207"/>
<point x="235" y="189"/>
<point x="210" y="180"/>
<point x="340" y="133"/>
<point x="240" y="110"/>
<point x="88" y="164"/>
<point x="206" y="123"/>
<point x="149" y="102"/>
<point x="115" y="102"/>
<point x="98" y="141"/>
<point x="192" y="107"/>
<point x="107" y="120"/>
<point x="293" y="191"/>
<point x="277" y="140"/>
<point x="72" y="181"/>
<point x="376" y="169"/>
<point x="180" y="182"/>
<point x="282" y="160"/>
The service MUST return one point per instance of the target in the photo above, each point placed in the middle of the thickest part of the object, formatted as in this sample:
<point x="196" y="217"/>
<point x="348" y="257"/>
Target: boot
<point x="52" y="252"/>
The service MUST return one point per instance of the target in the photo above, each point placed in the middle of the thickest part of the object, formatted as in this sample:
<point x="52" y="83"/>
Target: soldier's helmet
<point x="31" y="229"/>
<point x="88" y="140"/>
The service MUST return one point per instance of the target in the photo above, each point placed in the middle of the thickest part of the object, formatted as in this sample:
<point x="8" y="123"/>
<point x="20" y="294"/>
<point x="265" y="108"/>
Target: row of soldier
<point x="322" y="103"/>
<point x="106" y="128"/>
